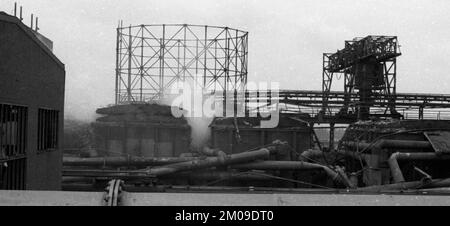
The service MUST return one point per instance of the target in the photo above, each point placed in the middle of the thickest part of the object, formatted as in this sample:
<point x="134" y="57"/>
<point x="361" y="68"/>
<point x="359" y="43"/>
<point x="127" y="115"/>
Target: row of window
<point x="47" y="129"/>
<point x="13" y="130"/>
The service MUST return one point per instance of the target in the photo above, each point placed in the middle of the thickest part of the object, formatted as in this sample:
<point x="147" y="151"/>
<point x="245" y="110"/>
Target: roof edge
<point x="12" y="19"/>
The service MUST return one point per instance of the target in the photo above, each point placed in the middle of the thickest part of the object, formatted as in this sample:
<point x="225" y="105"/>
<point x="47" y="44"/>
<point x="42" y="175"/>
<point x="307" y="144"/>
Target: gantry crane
<point x="369" y="67"/>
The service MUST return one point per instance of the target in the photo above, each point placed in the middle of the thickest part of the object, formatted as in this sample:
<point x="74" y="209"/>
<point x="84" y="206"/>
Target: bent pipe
<point x="395" y="168"/>
<point x="261" y="154"/>
<point x="310" y="154"/>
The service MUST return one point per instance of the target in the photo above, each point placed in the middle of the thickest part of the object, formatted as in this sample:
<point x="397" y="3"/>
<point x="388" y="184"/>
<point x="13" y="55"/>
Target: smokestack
<point x="21" y="18"/>
<point x="32" y="20"/>
<point x="15" y="9"/>
<point x="37" y="24"/>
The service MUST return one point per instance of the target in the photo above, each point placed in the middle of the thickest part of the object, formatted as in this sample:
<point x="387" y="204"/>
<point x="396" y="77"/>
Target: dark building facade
<point x="32" y="81"/>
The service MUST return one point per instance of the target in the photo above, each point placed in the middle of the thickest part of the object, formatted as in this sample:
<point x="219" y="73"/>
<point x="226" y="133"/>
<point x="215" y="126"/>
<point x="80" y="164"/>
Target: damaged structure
<point x="391" y="139"/>
<point x="150" y="141"/>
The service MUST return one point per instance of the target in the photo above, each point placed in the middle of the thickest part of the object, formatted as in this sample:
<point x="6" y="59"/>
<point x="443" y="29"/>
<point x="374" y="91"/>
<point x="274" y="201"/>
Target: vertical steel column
<point x="206" y="51"/>
<point x="197" y="59"/>
<point x="178" y="59"/>
<point x="118" y="57"/>
<point x="163" y="50"/>
<point x="227" y="58"/>
<point x="226" y="72"/>
<point x="331" y="144"/>
<point x="141" y="68"/>
<point x="130" y="43"/>
<point x="215" y="64"/>
<point x="184" y="52"/>
<point x="236" y="62"/>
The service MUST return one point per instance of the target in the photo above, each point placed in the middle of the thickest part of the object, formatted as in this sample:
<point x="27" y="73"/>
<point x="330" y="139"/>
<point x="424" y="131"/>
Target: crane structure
<point x="369" y="68"/>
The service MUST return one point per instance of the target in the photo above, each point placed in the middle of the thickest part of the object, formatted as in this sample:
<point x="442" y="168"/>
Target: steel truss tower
<point x="369" y="68"/>
<point x="152" y="58"/>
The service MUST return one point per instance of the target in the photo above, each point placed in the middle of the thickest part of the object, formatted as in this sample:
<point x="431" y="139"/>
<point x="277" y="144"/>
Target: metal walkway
<point x="410" y="105"/>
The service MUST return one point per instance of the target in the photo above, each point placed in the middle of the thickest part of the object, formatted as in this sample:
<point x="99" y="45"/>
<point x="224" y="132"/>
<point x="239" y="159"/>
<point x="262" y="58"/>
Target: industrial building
<point x="139" y="140"/>
<point x="390" y="142"/>
<point x="31" y="108"/>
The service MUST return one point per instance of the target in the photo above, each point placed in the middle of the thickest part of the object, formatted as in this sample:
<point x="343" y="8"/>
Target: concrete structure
<point x="44" y="198"/>
<point x="141" y="130"/>
<point x="31" y="109"/>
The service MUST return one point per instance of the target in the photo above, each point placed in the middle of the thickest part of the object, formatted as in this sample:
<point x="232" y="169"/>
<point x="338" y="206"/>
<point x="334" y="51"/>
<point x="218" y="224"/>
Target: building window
<point x="48" y="130"/>
<point x="13" y="145"/>
<point x="13" y="174"/>
<point x="13" y="130"/>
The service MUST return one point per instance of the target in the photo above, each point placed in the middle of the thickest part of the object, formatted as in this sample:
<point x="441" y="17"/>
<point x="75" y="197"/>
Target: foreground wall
<point x="32" y="80"/>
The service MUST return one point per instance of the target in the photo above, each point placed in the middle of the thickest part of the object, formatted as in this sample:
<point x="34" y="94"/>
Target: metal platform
<point x="411" y="106"/>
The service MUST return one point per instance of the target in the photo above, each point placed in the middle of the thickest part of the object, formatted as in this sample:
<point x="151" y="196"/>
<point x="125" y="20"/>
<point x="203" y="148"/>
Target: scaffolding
<point x="151" y="59"/>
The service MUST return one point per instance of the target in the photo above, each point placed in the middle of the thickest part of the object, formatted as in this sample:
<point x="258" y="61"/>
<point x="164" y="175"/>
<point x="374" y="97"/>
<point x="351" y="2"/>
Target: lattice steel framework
<point x="152" y="58"/>
<point x="369" y="68"/>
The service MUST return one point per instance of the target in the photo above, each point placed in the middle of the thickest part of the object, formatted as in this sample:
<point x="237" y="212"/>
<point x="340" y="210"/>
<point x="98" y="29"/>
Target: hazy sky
<point x="286" y="38"/>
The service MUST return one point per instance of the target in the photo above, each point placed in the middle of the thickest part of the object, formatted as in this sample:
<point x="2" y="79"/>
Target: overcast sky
<point x="286" y="38"/>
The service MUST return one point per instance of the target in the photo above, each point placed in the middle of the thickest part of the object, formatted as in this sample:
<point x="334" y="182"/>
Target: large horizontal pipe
<point x="93" y="173"/>
<point x="217" y="175"/>
<point x="278" y="165"/>
<point x="244" y="157"/>
<point x="212" y="152"/>
<point x="122" y="161"/>
<point x="395" y="168"/>
<point x="400" y="144"/>
<point x="77" y="179"/>
<point x="353" y="154"/>
<point x="88" y="176"/>
<point x="415" y="185"/>
<point x="311" y="154"/>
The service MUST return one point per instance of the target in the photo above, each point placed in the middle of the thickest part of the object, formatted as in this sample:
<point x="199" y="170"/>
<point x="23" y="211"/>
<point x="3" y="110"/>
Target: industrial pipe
<point x="338" y="175"/>
<point x="212" y="152"/>
<point x="395" y="168"/>
<point x="88" y="176"/>
<point x="122" y="161"/>
<point x="311" y="154"/>
<point x="95" y="173"/>
<point x="244" y="157"/>
<point x="66" y="180"/>
<point x="436" y="183"/>
<point x="353" y="154"/>
<point x="278" y="165"/>
<point x="217" y="175"/>
<point x="399" y="144"/>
